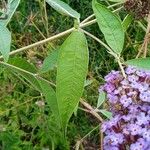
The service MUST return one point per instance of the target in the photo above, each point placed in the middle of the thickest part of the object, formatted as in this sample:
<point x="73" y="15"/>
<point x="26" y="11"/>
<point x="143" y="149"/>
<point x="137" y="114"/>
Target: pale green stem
<point x="109" y="50"/>
<point x="121" y="67"/>
<point x="91" y="16"/>
<point x="51" y="38"/>
<point x="46" y="18"/>
<point x="25" y="71"/>
<point x="97" y="39"/>
<point x="80" y="141"/>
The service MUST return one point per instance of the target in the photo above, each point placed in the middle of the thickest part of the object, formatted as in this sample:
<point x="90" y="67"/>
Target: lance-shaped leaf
<point x="11" y="8"/>
<point x="126" y="22"/>
<point x="141" y="63"/>
<point x="106" y="113"/>
<point x="63" y="8"/>
<point x="50" y="62"/>
<point x="71" y="73"/>
<point x="51" y="99"/>
<point x="110" y="25"/>
<point x="5" y="42"/>
<point x="101" y="99"/>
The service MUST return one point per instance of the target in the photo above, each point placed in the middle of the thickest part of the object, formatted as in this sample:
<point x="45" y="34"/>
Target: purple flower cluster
<point x="129" y="101"/>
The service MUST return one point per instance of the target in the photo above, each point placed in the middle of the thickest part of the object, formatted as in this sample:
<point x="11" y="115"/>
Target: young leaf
<point x="49" y="62"/>
<point x="88" y="82"/>
<point x="106" y="113"/>
<point x="63" y="8"/>
<point x="110" y="25"/>
<point x="71" y="73"/>
<point x="141" y="63"/>
<point x="101" y="99"/>
<point x="126" y="22"/>
<point x="11" y="8"/>
<point x="5" y="42"/>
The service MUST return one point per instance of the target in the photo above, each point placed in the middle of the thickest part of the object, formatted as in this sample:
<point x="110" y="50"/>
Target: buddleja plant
<point x="72" y="66"/>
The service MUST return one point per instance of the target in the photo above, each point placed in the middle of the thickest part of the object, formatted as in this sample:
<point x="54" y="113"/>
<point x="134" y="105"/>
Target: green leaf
<point x="71" y="73"/>
<point x="101" y="99"/>
<point x="88" y="82"/>
<point x="11" y="8"/>
<point x="141" y="63"/>
<point x="23" y="64"/>
<point x="50" y="62"/>
<point x="29" y="76"/>
<point x="106" y="113"/>
<point x="5" y="42"/>
<point x="110" y="25"/>
<point x="126" y="22"/>
<point x="63" y="8"/>
<point x="76" y="110"/>
<point x="51" y="99"/>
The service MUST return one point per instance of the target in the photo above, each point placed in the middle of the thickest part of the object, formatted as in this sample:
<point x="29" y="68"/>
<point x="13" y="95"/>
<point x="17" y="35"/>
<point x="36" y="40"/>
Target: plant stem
<point x="80" y="141"/>
<point x="147" y="36"/>
<point x="144" y="46"/>
<point x="97" y="39"/>
<point x="91" y="16"/>
<point x="46" y="18"/>
<point x="121" y="67"/>
<point x="40" y="42"/>
<point x="53" y="37"/>
<point x="101" y="140"/>
<point x="38" y="30"/>
<point x="109" y="50"/>
<point x="88" y="18"/>
<point x="27" y="72"/>
<point x="91" y="110"/>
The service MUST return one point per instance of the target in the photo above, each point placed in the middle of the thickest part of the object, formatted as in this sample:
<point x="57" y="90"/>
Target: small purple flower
<point x="117" y="91"/>
<point x="111" y="147"/>
<point x="130" y="70"/>
<point x="143" y="87"/>
<point x="115" y="120"/>
<point x="114" y="139"/>
<point x="127" y="118"/>
<point x="133" y="93"/>
<point x="146" y="134"/>
<point x="142" y="119"/>
<point x="112" y="98"/>
<point x="113" y="75"/>
<point x="141" y="144"/>
<point x="126" y="131"/>
<point x="125" y="101"/>
<point x="133" y="109"/>
<point x="125" y="82"/>
<point x="145" y="96"/>
<point x="141" y="73"/>
<point x="134" y="129"/>
<point x="109" y="87"/>
<point x="133" y="78"/>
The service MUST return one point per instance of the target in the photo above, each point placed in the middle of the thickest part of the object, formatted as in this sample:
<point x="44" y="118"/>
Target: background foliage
<point x="25" y="120"/>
